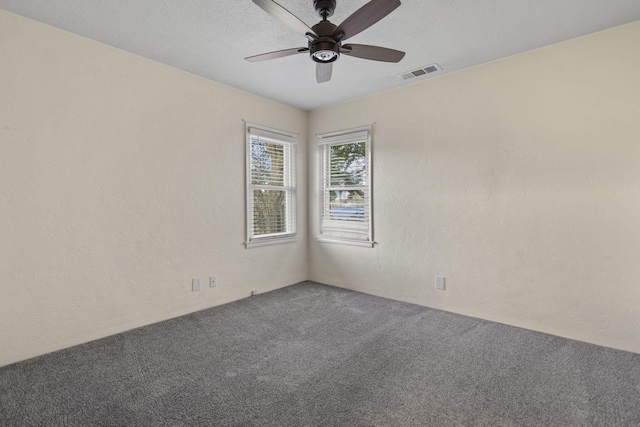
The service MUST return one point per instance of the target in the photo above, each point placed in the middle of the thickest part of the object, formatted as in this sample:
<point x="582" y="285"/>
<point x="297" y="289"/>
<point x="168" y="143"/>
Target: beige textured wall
<point x="519" y="180"/>
<point x="120" y="180"/>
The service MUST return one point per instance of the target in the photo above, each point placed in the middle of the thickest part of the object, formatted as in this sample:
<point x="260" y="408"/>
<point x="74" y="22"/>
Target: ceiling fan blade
<point x="286" y="17"/>
<point x="374" y="53"/>
<point x="324" y="71"/>
<point x="365" y="17"/>
<point x="277" y="54"/>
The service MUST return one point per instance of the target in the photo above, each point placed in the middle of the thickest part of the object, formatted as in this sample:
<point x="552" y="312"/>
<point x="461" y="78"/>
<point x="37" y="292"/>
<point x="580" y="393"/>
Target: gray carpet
<point x="314" y="355"/>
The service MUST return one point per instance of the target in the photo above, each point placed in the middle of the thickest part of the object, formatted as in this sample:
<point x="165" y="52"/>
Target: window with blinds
<point x="271" y="186"/>
<point x="345" y="193"/>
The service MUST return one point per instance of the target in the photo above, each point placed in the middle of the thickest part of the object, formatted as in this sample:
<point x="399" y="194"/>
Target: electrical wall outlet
<point x="195" y="284"/>
<point x="213" y="281"/>
<point x="440" y="283"/>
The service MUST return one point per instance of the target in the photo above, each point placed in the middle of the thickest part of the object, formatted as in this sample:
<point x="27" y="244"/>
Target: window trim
<point x="339" y="138"/>
<point x="291" y="141"/>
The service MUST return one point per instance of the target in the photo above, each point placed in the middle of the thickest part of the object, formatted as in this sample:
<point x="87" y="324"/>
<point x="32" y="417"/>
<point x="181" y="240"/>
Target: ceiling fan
<point x="325" y="38"/>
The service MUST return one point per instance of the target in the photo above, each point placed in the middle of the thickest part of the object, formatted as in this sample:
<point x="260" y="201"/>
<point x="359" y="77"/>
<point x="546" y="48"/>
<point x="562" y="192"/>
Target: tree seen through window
<point x="348" y="169"/>
<point x="267" y="172"/>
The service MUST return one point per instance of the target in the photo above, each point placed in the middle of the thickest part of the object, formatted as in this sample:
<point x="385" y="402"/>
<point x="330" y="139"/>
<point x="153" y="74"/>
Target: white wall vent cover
<point x="420" y="72"/>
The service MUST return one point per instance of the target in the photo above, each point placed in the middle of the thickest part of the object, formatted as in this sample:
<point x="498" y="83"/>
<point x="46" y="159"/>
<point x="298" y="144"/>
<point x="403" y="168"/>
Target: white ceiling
<point x="210" y="38"/>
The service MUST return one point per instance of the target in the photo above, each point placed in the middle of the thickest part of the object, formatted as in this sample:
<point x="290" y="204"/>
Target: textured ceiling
<point x="211" y="38"/>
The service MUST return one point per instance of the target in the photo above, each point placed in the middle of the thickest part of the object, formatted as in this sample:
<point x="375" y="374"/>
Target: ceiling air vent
<point x="420" y="71"/>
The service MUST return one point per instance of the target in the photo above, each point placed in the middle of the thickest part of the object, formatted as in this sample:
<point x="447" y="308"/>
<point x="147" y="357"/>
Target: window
<point x="345" y="187"/>
<point x="271" y="186"/>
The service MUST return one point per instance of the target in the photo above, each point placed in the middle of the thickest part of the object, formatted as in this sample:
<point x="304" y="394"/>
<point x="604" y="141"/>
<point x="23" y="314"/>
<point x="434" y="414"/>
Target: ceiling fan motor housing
<point x="324" y="48"/>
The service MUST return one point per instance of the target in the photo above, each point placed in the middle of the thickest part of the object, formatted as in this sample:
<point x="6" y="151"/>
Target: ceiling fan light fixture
<point x="325" y="51"/>
<point x="325" y="56"/>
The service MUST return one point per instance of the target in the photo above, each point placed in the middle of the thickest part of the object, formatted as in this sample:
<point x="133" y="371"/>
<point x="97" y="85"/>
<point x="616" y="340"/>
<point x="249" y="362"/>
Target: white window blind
<point x="271" y="186"/>
<point x="345" y="193"/>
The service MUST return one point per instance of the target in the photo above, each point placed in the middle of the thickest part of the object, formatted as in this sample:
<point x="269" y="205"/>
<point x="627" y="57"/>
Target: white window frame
<point x="289" y="142"/>
<point x="336" y="231"/>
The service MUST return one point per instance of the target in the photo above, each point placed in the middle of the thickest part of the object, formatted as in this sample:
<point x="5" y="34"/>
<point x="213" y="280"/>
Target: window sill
<point x="269" y="242"/>
<point x="361" y="243"/>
